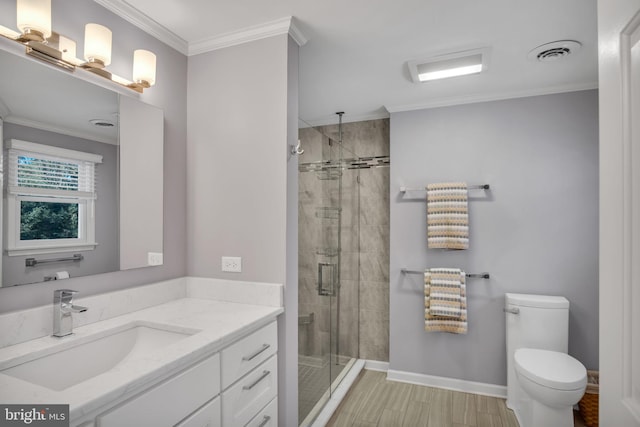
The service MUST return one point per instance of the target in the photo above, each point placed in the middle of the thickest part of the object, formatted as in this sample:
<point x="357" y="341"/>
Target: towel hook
<point x="297" y="149"/>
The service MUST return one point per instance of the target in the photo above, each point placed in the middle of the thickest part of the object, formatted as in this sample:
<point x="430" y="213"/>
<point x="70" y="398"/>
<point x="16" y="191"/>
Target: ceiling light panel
<point x="449" y="65"/>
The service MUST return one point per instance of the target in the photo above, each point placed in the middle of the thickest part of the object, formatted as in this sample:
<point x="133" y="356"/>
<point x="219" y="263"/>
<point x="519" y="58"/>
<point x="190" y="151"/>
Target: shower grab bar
<point x="469" y="275"/>
<point x="32" y="262"/>
<point x="470" y="187"/>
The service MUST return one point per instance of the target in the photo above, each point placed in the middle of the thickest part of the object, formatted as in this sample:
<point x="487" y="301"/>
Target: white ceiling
<point x="355" y="59"/>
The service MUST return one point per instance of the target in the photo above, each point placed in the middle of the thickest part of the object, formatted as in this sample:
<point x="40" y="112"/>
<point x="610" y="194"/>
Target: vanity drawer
<point x="207" y="416"/>
<point x="268" y="417"/>
<point x="243" y="400"/>
<point x="249" y="352"/>
<point x="169" y="402"/>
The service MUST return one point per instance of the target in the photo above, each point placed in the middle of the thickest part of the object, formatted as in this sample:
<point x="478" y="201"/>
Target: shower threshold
<point x="324" y="409"/>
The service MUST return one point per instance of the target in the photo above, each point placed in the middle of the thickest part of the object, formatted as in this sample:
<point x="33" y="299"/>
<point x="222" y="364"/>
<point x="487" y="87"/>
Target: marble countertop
<point x="219" y="323"/>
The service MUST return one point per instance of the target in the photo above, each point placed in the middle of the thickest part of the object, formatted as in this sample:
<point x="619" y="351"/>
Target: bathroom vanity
<point x="204" y="358"/>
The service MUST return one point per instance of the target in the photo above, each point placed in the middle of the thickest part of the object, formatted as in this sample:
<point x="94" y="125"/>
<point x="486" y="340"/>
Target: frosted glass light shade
<point x="144" y="67"/>
<point x="34" y="15"/>
<point x="97" y="44"/>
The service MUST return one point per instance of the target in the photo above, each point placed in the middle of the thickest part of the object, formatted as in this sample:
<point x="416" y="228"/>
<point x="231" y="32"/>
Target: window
<point x="51" y="199"/>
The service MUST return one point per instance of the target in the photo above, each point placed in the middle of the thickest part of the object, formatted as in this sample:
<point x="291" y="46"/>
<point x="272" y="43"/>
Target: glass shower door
<point x="327" y="328"/>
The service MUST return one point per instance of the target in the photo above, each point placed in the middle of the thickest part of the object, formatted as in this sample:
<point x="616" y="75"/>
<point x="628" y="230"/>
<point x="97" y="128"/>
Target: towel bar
<point x="32" y="262"/>
<point x="470" y="187"/>
<point x="469" y="275"/>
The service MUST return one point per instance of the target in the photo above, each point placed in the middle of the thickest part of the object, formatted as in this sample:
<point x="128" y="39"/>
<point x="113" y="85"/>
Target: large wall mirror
<point x="82" y="176"/>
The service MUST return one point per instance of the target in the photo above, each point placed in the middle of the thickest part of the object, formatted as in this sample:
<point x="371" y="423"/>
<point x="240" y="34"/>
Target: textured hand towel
<point x="445" y="300"/>
<point x="447" y="216"/>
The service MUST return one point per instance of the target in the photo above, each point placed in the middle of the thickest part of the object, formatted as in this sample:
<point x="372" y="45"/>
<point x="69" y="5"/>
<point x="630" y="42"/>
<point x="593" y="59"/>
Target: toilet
<point x="543" y="381"/>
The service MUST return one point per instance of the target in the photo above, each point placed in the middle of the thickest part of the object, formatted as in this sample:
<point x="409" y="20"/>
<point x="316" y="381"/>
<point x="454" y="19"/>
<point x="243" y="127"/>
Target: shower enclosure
<point x="328" y="247"/>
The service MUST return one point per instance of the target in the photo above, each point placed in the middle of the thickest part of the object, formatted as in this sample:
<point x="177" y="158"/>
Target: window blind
<point x="36" y="174"/>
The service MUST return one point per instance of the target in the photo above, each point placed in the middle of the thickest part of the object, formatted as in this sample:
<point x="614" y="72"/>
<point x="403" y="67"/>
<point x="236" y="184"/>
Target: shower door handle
<point x="330" y="290"/>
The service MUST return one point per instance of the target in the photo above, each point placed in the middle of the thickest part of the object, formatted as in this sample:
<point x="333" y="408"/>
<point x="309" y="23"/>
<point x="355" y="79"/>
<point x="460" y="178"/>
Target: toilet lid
<point x="551" y="368"/>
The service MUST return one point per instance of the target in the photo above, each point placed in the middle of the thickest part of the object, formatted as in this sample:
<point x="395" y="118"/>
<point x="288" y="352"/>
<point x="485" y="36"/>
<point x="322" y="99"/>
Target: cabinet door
<point x="268" y="417"/>
<point x="207" y="416"/>
<point x="244" y="355"/>
<point x="171" y="401"/>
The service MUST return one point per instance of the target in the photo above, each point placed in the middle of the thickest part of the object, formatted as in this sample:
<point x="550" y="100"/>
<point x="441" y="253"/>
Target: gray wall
<point x="237" y="158"/>
<point x="239" y="190"/>
<point x="169" y="93"/>
<point x="104" y="258"/>
<point x="536" y="231"/>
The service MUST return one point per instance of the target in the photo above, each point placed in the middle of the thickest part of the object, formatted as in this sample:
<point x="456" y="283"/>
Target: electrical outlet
<point x="154" y="258"/>
<point x="232" y="264"/>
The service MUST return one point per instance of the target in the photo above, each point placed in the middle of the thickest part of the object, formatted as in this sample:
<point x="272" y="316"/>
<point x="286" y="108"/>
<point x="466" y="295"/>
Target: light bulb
<point x="97" y="45"/>
<point x="144" y="67"/>
<point x="34" y="19"/>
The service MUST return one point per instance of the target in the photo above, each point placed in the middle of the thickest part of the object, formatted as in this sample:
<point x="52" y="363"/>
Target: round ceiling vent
<point x="102" y="123"/>
<point x="554" y="51"/>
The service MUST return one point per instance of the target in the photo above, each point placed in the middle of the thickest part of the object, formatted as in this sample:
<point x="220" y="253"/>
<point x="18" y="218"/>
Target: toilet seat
<point x="551" y="369"/>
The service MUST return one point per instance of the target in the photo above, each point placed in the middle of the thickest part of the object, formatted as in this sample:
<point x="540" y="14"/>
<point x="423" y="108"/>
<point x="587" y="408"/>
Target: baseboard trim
<point x="375" y="365"/>
<point x="448" y="383"/>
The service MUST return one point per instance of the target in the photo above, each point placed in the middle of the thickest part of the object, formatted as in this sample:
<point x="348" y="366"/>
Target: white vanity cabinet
<point x="207" y="416"/>
<point x="268" y="417"/>
<point x="171" y="401"/>
<point x="237" y="386"/>
<point x="249" y="376"/>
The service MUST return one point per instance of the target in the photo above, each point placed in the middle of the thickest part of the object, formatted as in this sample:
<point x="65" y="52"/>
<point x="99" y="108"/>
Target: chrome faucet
<point x="62" y="309"/>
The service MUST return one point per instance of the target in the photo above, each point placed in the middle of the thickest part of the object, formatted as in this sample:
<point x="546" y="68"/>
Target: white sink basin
<point x="94" y="355"/>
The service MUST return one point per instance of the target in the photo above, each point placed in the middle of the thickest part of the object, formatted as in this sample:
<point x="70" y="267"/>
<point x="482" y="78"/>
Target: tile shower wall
<point x="364" y="293"/>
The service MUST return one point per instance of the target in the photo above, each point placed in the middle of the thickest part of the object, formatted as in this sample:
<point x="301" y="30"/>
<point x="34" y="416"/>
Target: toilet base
<point x="535" y="414"/>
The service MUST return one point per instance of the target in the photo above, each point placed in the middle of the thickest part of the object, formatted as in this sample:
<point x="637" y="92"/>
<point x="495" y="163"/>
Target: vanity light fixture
<point x="34" y="22"/>
<point x="449" y="65"/>
<point x="34" y="19"/>
<point x="97" y="45"/>
<point x="144" y="68"/>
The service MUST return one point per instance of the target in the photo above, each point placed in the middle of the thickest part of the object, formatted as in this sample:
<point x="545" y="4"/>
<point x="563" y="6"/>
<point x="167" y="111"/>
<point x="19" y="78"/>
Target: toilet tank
<point x="542" y="322"/>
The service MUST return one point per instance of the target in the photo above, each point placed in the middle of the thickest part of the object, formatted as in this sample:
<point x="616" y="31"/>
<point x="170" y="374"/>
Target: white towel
<point x="445" y="300"/>
<point x="447" y="216"/>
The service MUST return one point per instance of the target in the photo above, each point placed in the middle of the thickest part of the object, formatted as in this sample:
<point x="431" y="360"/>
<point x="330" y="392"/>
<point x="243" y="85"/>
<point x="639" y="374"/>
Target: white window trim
<point x="49" y="150"/>
<point x="86" y="209"/>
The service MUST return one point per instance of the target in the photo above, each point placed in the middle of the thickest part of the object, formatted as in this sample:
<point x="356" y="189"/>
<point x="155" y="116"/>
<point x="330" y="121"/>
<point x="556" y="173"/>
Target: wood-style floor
<point x="375" y="401"/>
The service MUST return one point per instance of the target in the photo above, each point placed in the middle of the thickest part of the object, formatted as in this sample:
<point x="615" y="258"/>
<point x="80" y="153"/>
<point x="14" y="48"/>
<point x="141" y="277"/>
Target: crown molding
<point x="61" y="130"/>
<point x="148" y="25"/>
<point x="296" y="33"/>
<point x="129" y="13"/>
<point x="269" y="29"/>
<point x="473" y="99"/>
